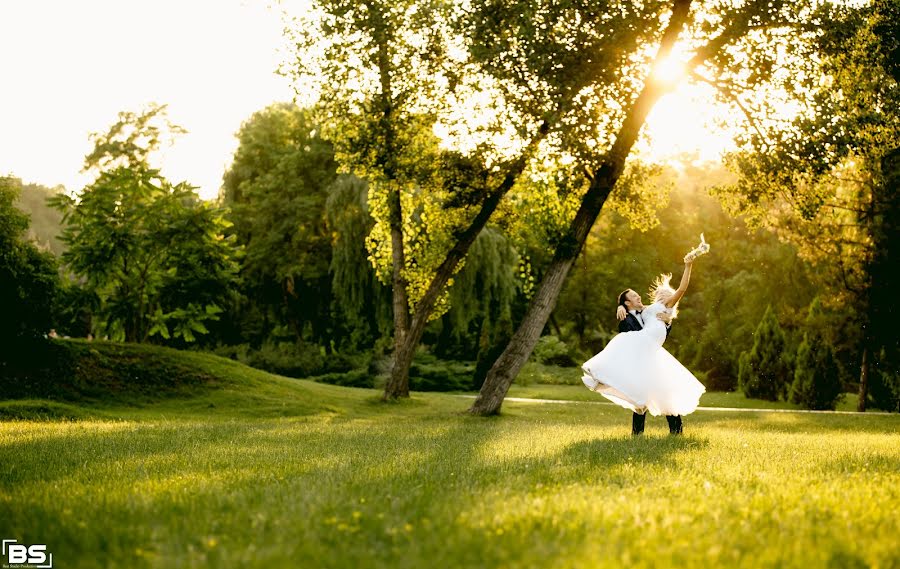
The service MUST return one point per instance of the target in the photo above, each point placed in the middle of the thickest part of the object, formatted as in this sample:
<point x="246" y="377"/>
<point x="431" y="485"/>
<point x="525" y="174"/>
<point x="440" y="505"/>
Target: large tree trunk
<point x="863" y="381"/>
<point x="396" y="386"/>
<point x="398" y="383"/>
<point x="497" y="383"/>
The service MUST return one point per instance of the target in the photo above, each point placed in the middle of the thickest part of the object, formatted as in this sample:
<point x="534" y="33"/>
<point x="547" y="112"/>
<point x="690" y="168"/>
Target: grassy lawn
<point x="709" y="399"/>
<point x="256" y="470"/>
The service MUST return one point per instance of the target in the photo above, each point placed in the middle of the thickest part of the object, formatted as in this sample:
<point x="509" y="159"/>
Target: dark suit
<point x="631" y="324"/>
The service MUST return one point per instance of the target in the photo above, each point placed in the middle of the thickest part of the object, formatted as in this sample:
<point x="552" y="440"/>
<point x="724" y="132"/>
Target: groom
<point x="632" y="321"/>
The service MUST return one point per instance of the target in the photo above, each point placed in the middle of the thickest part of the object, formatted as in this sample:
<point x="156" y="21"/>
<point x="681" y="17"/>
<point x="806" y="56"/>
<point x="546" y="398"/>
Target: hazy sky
<point x="68" y="67"/>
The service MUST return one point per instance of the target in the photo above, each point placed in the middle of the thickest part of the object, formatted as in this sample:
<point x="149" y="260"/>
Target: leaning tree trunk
<point x="507" y="367"/>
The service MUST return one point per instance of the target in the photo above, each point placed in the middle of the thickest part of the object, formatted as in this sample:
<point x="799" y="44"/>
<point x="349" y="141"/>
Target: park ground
<point x="249" y="469"/>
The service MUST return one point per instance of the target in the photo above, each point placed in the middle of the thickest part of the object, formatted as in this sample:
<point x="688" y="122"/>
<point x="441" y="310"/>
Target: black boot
<point x="637" y="423"/>
<point x="674" y="424"/>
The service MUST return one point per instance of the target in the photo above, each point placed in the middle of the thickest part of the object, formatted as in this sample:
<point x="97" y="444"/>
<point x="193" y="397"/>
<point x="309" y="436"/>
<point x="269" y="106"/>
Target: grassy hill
<point x="80" y="379"/>
<point x="189" y="460"/>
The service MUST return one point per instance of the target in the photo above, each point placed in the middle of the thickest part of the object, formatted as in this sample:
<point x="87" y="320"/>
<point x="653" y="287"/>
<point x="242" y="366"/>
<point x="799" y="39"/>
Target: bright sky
<point x="70" y="66"/>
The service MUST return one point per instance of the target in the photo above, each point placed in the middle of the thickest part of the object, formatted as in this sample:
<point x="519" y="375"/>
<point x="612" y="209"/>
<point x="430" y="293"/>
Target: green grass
<point x="256" y="470"/>
<point x="709" y="399"/>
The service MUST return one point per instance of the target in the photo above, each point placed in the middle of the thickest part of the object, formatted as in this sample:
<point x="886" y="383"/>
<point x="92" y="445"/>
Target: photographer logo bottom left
<point x="17" y="555"/>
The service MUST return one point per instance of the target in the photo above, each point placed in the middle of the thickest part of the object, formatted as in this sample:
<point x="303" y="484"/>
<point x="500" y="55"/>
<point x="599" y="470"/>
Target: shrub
<point x="817" y="382"/>
<point x="441" y="376"/>
<point x="550" y="350"/>
<point x="354" y="378"/>
<point x="763" y="371"/>
<point x="884" y="385"/>
<point x="288" y="358"/>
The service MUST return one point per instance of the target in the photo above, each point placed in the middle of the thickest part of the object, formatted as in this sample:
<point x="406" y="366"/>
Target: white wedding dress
<point x="636" y="372"/>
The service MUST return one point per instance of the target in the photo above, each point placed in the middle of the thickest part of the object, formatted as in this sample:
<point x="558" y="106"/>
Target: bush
<point x="550" y="350"/>
<point x="287" y="358"/>
<point x="763" y="371"/>
<point x="884" y="385"/>
<point x="355" y="378"/>
<point x="300" y="360"/>
<point x="441" y="376"/>
<point x="817" y="380"/>
<point x="533" y="372"/>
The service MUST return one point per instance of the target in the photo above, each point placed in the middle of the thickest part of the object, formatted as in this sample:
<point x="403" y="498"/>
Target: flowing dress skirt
<point x="636" y="372"/>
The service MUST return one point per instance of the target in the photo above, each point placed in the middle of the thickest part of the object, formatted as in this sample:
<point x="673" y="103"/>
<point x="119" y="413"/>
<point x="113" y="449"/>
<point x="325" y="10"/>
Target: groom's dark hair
<point x="623" y="297"/>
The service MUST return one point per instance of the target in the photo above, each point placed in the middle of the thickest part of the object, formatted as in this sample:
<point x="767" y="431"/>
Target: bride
<point x="635" y="371"/>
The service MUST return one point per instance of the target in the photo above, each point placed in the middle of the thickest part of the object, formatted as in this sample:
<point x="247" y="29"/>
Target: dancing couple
<point x="634" y="370"/>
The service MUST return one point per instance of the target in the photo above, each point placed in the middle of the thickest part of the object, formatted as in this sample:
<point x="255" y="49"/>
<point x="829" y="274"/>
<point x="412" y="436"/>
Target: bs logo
<point x="16" y="553"/>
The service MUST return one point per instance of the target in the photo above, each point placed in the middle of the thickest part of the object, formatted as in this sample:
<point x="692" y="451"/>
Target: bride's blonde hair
<point x="661" y="288"/>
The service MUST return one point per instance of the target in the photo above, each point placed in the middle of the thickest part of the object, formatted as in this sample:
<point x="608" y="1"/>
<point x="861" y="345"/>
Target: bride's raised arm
<point x="701" y="249"/>
<point x="682" y="287"/>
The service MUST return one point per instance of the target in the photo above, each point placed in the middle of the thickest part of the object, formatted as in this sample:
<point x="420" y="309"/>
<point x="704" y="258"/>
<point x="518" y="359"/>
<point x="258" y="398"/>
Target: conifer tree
<point x="817" y="383"/>
<point x="764" y="372"/>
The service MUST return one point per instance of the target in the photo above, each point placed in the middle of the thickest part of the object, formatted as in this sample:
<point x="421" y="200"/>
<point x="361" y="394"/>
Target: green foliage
<point x="764" y="370"/>
<point x="288" y="359"/>
<point x="152" y="252"/>
<point x="278" y="189"/>
<point x="823" y="178"/>
<point x="295" y="359"/>
<point x="550" y="350"/>
<point x="884" y="385"/>
<point x="28" y="278"/>
<point x="817" y="382"/>
<point x="360" y="302"/>
<point x="132" y="140"/>
<point x="355" y="378"/>
<point x="46" y="221"/>
<point x="730" y="288"/>
<point x="482" y="298"/>
<point x="430" y="374"/>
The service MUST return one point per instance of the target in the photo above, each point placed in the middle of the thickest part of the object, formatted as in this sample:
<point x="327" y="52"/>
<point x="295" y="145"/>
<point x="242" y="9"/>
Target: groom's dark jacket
<point x="631" y="324"/>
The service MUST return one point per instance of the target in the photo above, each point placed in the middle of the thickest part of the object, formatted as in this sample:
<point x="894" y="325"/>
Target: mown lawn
<point x="708" y="399"/>
<point x="263" y="471"/>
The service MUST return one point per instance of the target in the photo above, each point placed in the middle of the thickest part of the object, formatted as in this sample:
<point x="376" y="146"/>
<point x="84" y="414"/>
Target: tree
<point x="276" y="189"/>
<point x="152" y="252"/>
<point x="46" y="222"/>
<point x="361" y="304"/>
<point x="28" y="278"/>
<point x="764" y="371"/>
<point x="884" y="392"/>
<point x="824" y="181"/>
<point x="817" y="382"/>
<point x="718" y="38"/>
<point x="389" y="68"/>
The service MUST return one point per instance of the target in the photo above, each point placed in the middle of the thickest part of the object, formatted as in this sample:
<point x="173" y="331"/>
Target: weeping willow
<point x="360" y="303"/>
<point x="482" y="296"/>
